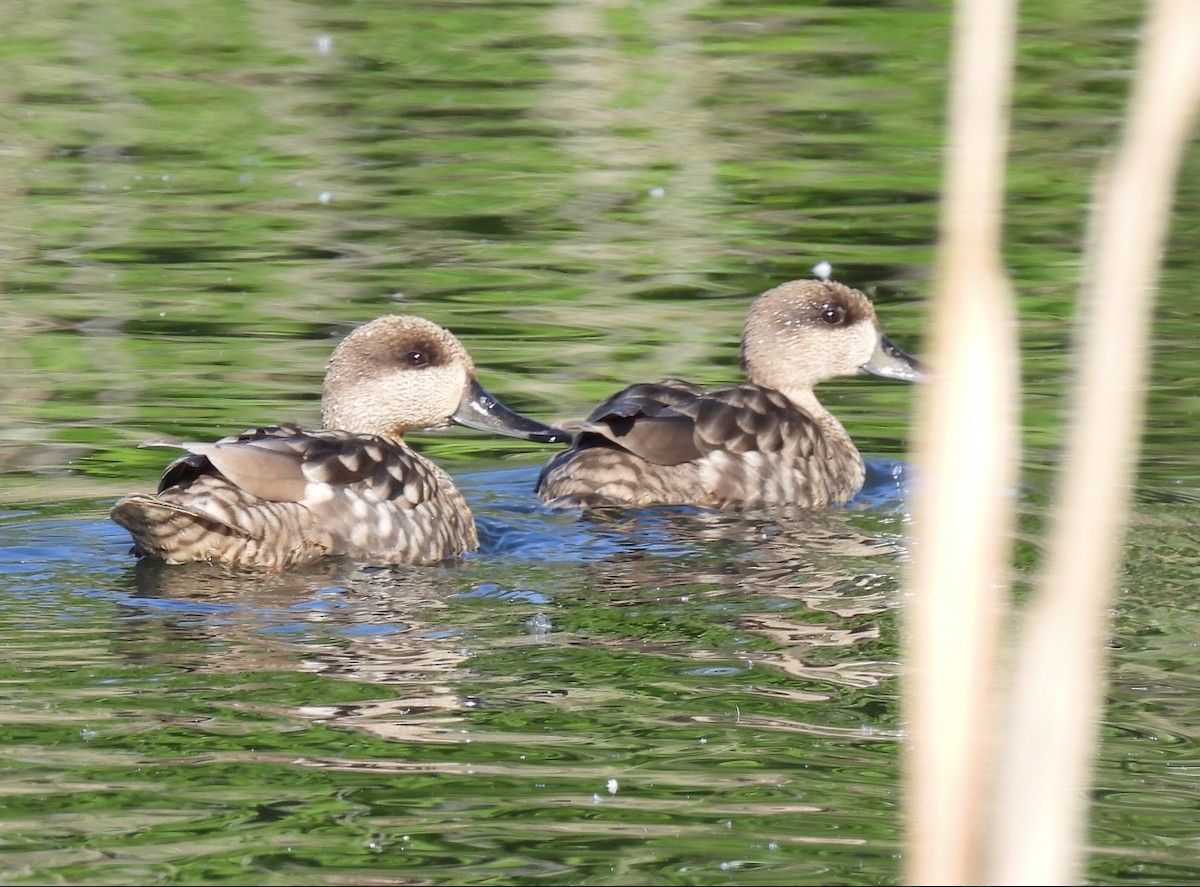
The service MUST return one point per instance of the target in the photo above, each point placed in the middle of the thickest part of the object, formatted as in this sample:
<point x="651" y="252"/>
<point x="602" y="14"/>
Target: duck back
<point x="272" y="498"/>
<point x="672" y="443"/>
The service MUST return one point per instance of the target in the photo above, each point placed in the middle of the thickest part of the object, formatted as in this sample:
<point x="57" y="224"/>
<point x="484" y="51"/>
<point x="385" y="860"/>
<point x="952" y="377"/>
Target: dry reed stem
<point x="966" y="455"/>
<point x="1049" y="747"/>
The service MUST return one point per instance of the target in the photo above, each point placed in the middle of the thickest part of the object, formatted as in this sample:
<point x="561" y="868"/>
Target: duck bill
<point x="893" y="362"/>
<point x="483" y="412"/>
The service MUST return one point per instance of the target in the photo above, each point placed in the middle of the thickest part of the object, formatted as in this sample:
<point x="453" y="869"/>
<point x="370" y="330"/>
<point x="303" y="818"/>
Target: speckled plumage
<point x="276" y="497"/>
<point x="764" y="442"/>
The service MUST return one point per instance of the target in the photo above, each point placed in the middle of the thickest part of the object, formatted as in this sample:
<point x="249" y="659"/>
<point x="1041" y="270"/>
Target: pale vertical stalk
<point x="1058" y="689"/>
<point x="966" y="458"/>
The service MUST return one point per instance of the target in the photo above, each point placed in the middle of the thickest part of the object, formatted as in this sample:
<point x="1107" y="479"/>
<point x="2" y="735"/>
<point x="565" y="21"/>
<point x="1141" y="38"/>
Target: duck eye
<point x="834" y="315"/>
<point x="416" y="359"/>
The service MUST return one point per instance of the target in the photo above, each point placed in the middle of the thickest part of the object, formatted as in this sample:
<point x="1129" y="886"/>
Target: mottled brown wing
<point x="747" y="418"/>
<point x="643" y="419"/>
<point x="741" y="446"/>
<point x="279" y="463"/>
<point x="186" y="469"/>
<point x="673" y="422"/>
<point x="645" y="398"/>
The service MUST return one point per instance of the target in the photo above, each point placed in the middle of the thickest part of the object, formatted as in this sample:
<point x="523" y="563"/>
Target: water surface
<point x="200" y="200"/>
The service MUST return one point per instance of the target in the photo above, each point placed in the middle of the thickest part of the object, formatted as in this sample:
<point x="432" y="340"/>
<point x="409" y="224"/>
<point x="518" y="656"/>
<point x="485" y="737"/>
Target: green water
<point x="200" y="199"/>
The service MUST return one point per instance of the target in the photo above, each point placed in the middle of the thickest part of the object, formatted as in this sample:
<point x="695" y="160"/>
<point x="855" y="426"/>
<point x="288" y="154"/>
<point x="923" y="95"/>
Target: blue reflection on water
<point x="512" y="524"/>
<point x="90" y="556"/>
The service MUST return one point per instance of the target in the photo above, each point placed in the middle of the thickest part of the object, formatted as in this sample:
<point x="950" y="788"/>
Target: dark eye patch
<point x="415" y="358"/>
<point x="833" y="314"/>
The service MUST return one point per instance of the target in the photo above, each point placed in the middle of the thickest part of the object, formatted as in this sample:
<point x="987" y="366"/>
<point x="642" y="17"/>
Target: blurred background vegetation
<point x="199" y="199"/>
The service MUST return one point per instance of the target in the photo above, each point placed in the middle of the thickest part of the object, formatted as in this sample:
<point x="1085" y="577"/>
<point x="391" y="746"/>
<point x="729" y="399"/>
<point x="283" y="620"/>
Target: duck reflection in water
<point x="386" y="626"/>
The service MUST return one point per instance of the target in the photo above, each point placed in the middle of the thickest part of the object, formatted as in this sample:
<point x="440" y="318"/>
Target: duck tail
<point x="169" y="531"/>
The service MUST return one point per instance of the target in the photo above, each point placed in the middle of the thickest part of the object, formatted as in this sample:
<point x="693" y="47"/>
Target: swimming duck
<point x="764" y="442"/>
<point x="275" y="497"/>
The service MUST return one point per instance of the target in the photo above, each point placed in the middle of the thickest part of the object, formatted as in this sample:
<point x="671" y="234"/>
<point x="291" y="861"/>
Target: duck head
<point x="403" y="373"/>
<point x="805" y="332"/>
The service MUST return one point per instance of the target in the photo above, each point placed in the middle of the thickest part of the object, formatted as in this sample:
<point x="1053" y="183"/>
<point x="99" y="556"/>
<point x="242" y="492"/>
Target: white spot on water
<point x="325" y="197"/>
<point x="323" y="44"/>
<point x="822" y="269"/>
<point x="611" y="785"/>
<point x="657" y="192"/>
<point x="538" y="626"/>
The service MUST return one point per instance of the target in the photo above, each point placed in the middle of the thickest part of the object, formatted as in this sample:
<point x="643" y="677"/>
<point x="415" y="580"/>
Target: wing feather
<point x="285" y="464"/>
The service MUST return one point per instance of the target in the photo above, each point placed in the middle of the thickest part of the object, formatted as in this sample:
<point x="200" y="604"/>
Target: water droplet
<point x="538" y="626"/>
